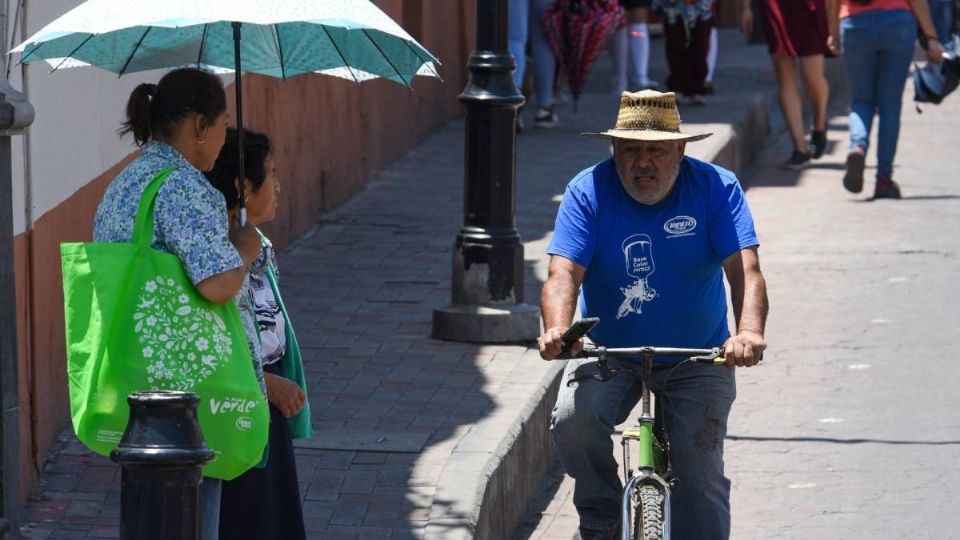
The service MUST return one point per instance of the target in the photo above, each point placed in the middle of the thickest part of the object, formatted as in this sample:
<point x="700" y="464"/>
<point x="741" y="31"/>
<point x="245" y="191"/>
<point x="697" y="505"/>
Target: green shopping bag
<point x="135" y="321"/>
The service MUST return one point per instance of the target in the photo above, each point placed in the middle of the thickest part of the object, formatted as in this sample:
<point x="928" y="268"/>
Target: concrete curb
<point x="492" y="473"/>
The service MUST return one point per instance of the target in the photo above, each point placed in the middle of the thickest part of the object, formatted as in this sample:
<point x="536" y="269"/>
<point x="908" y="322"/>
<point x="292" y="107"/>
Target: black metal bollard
<point x="162" y="453"/>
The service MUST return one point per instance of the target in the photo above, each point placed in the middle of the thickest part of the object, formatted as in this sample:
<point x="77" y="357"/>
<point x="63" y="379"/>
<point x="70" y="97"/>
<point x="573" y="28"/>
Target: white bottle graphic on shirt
<point x="638" y="256"/>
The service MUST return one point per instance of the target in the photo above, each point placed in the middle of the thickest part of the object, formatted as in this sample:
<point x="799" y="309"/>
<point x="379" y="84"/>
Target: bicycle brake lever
<point x="715" y="357"/>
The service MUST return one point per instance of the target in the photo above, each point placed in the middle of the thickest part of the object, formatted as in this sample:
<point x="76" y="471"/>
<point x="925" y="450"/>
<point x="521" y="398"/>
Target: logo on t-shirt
<point x="638" y="255"/>
<point x="680" y="226"/>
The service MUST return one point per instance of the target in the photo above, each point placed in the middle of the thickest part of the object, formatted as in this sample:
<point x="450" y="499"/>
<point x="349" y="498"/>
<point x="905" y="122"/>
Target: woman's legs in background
<point x="687" y="61"/>
<point x="896" y="53"/>
<point x="631" y="49"/>
<point x="712" y="54"/>
<point x="815" y="83"/>
<point x="525" y="25"/>
<point x="544" y="62"/>
<point x="784" y="68"/>
<point x="861" y="59"/>
<point x="638" y="38"/>
<point x="517" y="30"/>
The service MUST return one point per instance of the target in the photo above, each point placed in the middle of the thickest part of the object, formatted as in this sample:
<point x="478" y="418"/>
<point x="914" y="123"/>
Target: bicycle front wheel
<point x="648" y="513"/>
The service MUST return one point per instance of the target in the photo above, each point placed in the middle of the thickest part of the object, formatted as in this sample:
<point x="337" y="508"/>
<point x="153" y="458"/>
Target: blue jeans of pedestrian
<point x="696" y="401"/>
<point x="526" y="18"/>
<point x="210" y="508"/>
<point x="877" y="48"/>
<point x="941" y="11"/>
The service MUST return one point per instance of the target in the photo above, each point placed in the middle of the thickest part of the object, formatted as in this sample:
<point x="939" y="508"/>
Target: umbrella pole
<point x="239" y="106"/>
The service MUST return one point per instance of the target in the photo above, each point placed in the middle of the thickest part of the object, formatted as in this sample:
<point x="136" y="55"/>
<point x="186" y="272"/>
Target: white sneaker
<point x="546" y="118"/>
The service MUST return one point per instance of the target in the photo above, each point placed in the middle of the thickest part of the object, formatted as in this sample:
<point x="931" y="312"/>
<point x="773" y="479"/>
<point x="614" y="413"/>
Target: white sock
<point x="712" y="54"/>
<point x="620" y="59"/>
<point x="640" y="51"/>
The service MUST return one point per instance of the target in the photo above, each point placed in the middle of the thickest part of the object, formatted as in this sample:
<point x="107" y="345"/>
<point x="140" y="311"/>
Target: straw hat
<point x="648" y="115"/>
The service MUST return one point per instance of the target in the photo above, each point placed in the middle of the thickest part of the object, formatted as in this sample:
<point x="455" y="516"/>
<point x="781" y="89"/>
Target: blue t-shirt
<point x="654" y="273"/>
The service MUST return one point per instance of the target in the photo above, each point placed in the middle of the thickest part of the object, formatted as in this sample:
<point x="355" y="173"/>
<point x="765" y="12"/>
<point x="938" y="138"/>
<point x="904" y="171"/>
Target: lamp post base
<point x="486" y="324"/>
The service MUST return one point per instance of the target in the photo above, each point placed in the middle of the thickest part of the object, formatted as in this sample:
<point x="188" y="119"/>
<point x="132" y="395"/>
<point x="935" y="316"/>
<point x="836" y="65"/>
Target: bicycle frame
<point x="653" y="461"/>
<point x="650" y="461"/>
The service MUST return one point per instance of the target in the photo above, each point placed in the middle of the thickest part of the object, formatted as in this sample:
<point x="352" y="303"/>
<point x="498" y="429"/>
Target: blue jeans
<point x="942" y="13"/>
<point x="877" y="49"/>
<point x="522" y="27"/>
<point x="210" y="508"/>
<point x="696" y="401"/>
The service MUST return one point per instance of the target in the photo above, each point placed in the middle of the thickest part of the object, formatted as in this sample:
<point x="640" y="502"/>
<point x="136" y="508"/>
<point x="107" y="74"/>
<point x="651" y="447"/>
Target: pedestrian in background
<point x="631" y="49"/>
<point x="264" y="502"/>
<point x="526" y="23"/>
<point x="686" y="32"/>
<point x="878" y="39"/>
<point x="181" y="122"/>
<point x="713" y="52"/>
<point x="796" y="33"/>
<point x="942" y="13"/>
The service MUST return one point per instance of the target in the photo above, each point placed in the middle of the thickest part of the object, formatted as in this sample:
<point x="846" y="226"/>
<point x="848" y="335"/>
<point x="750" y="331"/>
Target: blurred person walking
<point x="796" y="33"/>
<point x="686" y="30"/>
<point x="943" y="15"/>
<point x="523" y="28"/>
<point x="631" y="49"/>
<point x="877" y="41"/>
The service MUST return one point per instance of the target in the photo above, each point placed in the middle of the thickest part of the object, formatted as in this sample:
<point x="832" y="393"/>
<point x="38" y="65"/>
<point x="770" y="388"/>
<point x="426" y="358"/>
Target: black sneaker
<point x="798" y="160"/>
<point x="592" y="534"/>
<point x="886" y="189"/>
<point x="856" y="160"/>
<point x="546" y="118"/>
<point x="818" y="144"/>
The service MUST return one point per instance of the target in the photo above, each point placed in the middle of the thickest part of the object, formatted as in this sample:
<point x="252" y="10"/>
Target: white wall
<point x="73" y="138"/>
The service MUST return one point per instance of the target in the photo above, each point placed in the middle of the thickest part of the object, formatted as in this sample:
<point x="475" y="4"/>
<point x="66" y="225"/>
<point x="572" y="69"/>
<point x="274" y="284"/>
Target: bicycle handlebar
<point x="703" y="356"/>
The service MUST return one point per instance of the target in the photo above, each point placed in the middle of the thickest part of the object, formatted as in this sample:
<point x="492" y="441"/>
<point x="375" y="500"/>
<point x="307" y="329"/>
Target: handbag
<point x="134" y="322"/>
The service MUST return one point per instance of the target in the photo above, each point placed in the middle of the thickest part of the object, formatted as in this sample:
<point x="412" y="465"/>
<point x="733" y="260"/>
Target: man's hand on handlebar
<point x="744" y="349"/>
<point x="551" y="344"/>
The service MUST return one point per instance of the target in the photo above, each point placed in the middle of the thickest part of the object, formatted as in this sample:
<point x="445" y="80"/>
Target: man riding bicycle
<point x="646" y="238"/>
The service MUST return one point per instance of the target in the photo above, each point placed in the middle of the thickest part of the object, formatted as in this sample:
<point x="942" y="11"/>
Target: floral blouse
<point x="190" y="216"/>
<point x="190" y="221"/>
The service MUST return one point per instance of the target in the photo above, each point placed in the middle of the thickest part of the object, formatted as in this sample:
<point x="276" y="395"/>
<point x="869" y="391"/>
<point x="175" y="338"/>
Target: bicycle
<point x="645" y="512"/>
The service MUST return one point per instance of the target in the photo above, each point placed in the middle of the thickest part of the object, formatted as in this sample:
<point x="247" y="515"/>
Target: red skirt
<point x="795" y="27"/>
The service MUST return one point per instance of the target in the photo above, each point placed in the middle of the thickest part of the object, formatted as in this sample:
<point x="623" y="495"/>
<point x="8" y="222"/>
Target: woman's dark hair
<point x="256" y="149"/>
<point x="154" y="109"/>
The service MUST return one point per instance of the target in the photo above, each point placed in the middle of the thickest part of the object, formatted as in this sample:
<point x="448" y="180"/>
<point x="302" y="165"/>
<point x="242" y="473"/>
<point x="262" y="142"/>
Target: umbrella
<point x="577" y="31"/>
<point x="351" y="39"/>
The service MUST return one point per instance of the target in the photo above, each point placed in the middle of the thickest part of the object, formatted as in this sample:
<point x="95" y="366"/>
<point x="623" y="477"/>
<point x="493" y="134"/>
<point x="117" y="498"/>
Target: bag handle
<point x="143" y="223"/>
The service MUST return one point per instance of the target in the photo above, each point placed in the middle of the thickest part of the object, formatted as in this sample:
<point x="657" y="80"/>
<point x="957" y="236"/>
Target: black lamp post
<point x="487" y="290"/>
<point x="162" y="453"/>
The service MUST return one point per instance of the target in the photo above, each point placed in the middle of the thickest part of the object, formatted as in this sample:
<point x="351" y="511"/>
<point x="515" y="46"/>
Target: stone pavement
<point x="415" y="435"/>
<point x="849" y="428"/>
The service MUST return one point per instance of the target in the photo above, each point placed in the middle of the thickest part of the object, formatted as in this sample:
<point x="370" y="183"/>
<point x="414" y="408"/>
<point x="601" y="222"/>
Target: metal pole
<point x="162" y="454"/>
<point x="16" y="113"/>
<point x="238" y="89"/>
<point x="9" y="417"/>
<point x="487" y="289"/>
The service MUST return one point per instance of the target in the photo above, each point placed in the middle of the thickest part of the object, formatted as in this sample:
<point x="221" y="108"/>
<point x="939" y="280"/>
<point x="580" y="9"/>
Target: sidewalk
<point x="419" y="437"/>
